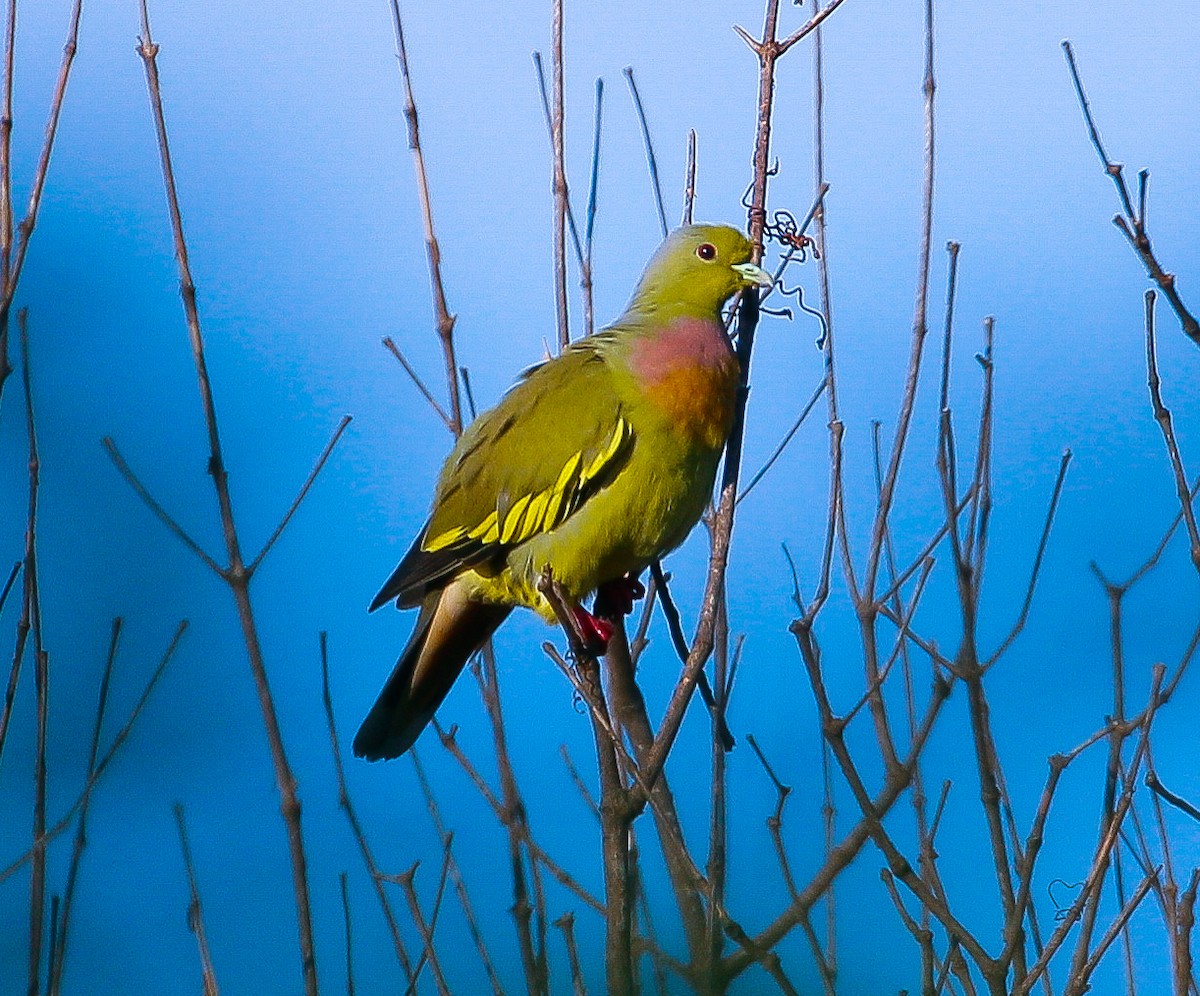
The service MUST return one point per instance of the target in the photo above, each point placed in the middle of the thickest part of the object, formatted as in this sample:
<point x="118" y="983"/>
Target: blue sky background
<point x="303" y="224"/>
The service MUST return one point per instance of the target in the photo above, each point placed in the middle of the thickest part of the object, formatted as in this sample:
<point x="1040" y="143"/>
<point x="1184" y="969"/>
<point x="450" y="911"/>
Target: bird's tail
<point x="450" y="628"/>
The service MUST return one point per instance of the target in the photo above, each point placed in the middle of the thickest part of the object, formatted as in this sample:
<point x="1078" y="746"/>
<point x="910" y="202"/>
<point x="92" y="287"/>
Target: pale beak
<point x="752" y="274"/>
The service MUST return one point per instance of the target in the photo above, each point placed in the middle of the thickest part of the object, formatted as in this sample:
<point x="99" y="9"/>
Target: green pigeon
<point x="596" y="463"/>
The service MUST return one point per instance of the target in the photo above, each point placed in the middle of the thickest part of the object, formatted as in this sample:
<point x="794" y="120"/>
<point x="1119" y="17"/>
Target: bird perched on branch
<point x="596" y="463"/>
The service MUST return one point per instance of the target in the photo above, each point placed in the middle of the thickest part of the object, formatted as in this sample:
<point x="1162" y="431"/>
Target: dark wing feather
<point x="422" y="571"/>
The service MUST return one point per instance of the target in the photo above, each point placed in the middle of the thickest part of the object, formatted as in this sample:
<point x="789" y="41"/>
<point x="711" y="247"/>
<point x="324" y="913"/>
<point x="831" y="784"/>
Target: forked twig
<point x="10" y="267"/>
<point x="1132" y="222"/>
<point x="122" y="735"/>
<point x="236" y="575"/>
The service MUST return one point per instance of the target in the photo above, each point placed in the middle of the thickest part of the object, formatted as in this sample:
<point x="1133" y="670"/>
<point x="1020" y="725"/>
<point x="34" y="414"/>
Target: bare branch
<point x="300" y="495"/>
<point x="1047" y="525"/>
<point x="429" y="957"/>
<point x="689" y="183"/>
<point x="58" y="950"/>
<point x="26" y="226"/>
<point x="559" y="176"/>
<point x="808" y="28"/>
<point x="787" y="438"/>
<point x="1133" y="223"/>
<point x="444" y="319"/>
<point x="1163" y="417"/>
<point x="349" y="934"/>
<point x="195" y="913"/>
<point x="651" y="161"/>
<point x="392" y="348"/>
<point x="347" y="806"/>
<point x="566" y="923"/>
<point x="152" y="503"/>
<point x="122" y="735"/>
<point x="1180" y="803"/>
<point x="455" y="874"/>
<point x="236" y="575"/>
<point x="920" y="320"/>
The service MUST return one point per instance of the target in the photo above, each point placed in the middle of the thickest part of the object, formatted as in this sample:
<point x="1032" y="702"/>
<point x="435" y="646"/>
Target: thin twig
<point x="443" y="318"/>
<point x="536" y="851"/>
<point x="651" y="161"/>
<point x="559" y="175"/>
<point x="349" y="935"/>
<point x="1162" y="416"/>
<point x="195" y="912"/>
<point x="152" y="503"/>
<point x="347" y="806"/>
<point x="578" y="781"/>
<point x="1180" y="803"/>
<point x="775" y="820"/>
<point x="430" y="956"/>
<point x="27" y="224"/>
<point x="58" y="951"/>
<point x="31" y="611"/>
<point x="455" y="874"/>
<point x="1133" y="223"/>
<point x="787" y="438"/>
<point x="304" y="489"/>
<point x="920" y="319"/>
<point x="8" y="583"/>
<point x="6" y="201"/>
<point x="392" y="348"/>
<point x="566" y="923"/>
<point x="689" y="182"/>
<point x="1047" y="525"/>
<point x="122" y="735"/>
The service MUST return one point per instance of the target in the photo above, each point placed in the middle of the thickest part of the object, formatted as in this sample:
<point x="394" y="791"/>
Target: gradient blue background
<point x="302" y="220"/>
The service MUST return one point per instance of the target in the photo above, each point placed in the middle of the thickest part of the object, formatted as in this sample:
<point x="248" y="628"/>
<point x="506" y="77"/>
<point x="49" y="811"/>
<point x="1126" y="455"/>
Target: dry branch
<point x="1132" y="221"/>
<point x="347" y="806"/>
<point x="444" y="319"/>
<point x="58" y="949"/>
<point x="10" y="267"/>
<point x="236" y="574"/>
<point x="195" y="912"/>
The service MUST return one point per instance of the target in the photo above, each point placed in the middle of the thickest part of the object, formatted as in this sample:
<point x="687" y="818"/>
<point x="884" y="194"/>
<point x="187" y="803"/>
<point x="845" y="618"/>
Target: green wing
<point x="520" y="469"/>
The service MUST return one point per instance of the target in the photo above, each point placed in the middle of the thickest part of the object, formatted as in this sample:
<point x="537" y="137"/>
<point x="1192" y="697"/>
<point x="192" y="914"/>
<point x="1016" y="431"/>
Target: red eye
<point x="706" y="250"/>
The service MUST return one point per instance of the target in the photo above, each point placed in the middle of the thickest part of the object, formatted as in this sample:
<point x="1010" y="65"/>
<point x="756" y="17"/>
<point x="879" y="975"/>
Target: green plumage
<point x="595" y="463"/>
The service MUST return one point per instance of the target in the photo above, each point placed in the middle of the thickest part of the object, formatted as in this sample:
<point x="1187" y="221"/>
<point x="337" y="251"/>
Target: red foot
<point x="596" y="632"/>
<point x="616" y="597"/>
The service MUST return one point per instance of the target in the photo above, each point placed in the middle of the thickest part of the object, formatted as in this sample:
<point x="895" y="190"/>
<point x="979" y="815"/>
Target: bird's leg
<point x="615" y="598"/>
<point x="587" y="633"/>
<point x="594" y="631"/>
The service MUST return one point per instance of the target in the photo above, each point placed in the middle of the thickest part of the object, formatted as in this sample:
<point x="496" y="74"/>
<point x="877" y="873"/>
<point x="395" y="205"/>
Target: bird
<point x="596" y="463"/>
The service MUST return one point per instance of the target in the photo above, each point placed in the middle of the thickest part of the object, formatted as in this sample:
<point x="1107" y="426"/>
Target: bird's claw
<point x="615" y="598"/>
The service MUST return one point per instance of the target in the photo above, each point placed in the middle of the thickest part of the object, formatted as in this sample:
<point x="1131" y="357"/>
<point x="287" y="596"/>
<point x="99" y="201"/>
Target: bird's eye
<point x="706" y="250"/>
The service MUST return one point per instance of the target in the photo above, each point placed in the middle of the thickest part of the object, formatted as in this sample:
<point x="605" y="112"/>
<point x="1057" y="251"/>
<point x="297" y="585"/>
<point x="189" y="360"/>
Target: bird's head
<point x="696" y="270"/>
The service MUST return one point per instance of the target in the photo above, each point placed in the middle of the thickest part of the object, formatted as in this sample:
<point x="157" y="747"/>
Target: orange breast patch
<point x="699" y="400"/>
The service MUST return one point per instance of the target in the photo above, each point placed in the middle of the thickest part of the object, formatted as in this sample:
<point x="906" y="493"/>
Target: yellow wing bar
<point x="541" y="511"/>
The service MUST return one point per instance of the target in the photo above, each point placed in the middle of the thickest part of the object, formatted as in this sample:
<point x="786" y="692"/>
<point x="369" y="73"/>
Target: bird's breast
<point x="689" y="373"/>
